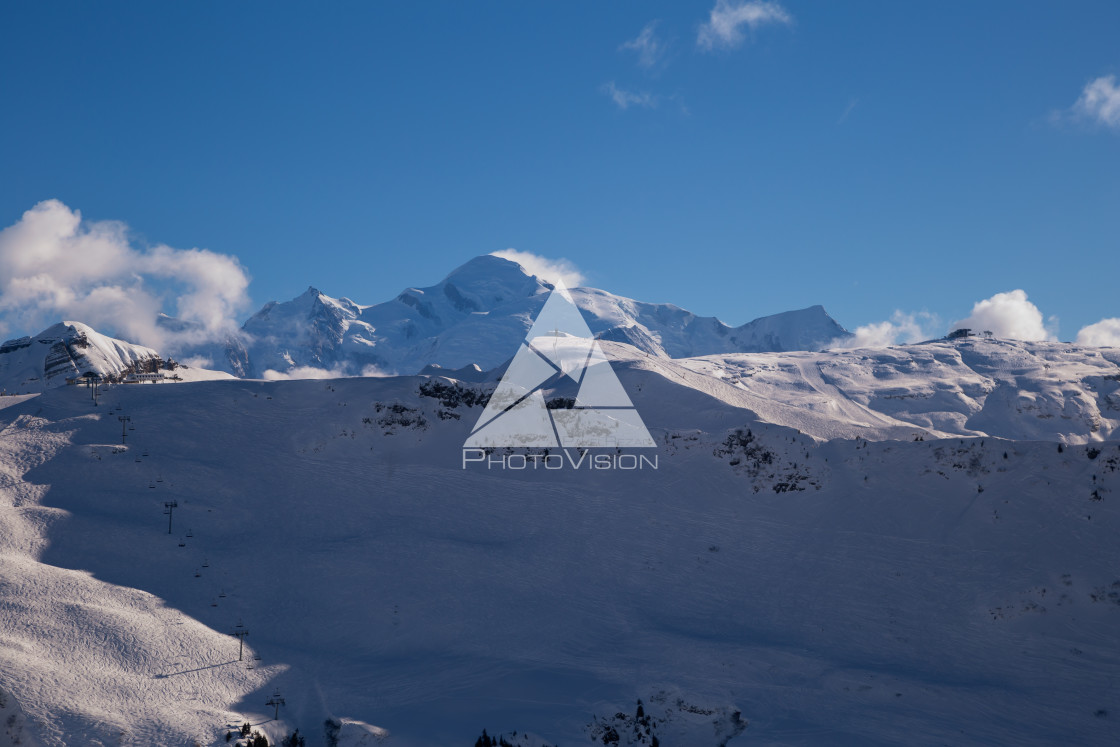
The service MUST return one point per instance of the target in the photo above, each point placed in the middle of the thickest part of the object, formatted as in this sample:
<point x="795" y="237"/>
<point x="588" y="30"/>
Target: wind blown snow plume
<point x="54" y="265"/>
<point x="1102" y="334"/>
<point x="725" y="25"/>
<point x="1009" y="315"/>
<point x="548" y="270"/>
<point x="902" y="328"/>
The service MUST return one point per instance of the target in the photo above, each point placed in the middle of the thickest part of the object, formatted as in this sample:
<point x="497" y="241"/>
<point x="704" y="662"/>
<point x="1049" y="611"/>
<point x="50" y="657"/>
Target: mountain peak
<point x="68" y="349"/>
<point x="485" y="282"/>
<point x="487" y="263"/>
<point x="66" y="330"/>
<point x="490" y="272"/>
<point x="810" y="328"/>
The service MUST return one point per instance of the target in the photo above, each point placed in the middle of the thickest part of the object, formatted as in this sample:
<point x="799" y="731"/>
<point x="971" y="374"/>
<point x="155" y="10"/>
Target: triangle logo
<point x="559" y="344"/>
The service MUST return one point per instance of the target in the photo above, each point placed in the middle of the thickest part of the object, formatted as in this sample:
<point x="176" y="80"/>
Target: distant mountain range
<point x="966" y="387"/>
<point x="477" y="315"/>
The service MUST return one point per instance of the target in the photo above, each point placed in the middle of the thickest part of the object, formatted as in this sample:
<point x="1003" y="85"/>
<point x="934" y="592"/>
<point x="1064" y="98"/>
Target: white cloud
<point x="54" y="265"/>
<point x="340" y="371"/>
<point x="649" y="48"/>
<point x="371" y="370"/>
<point x="724" y="28"/>
<point x="900" y="329"/>
<point x="626" y="99"/>
<point x="1100" y="102"/>
<point x="548" y="270"/>
<point x="305" y="372"/>
<point x="1102" y="334"/>
<point x="1009" y="315"/>
<point x="197" y="361"/>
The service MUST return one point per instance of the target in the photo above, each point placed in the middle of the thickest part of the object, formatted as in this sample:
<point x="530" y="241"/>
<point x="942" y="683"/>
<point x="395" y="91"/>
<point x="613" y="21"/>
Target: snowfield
<point x="799" y="569"/>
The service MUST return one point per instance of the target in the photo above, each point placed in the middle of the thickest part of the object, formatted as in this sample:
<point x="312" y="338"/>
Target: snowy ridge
<point x="480" y="310"/>
<point x="971" y="387"/>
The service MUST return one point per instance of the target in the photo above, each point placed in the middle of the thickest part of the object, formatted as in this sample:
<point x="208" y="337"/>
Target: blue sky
<point x="867" y="156"/>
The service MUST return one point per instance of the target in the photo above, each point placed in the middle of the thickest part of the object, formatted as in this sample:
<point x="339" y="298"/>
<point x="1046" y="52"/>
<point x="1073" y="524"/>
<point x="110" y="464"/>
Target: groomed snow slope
<point x="959" y="591"/>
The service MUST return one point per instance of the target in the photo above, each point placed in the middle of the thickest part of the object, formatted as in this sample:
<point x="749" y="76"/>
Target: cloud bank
<point x="54" y="265"/>
<point x="1008" y="315"/>
<point x="1102" y="334"/>
<point x="901" y="329"/>
<point x="548" y="270"/>
<point x="724" y="29"/>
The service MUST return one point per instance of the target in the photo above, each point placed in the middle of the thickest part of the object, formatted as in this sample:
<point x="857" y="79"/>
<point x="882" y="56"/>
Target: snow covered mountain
<point x="71" y="349"/>
<point x="310" y="330"/>
<point x="762" y="585"/>
<point x="482" y="309"/>
<point x="67" y="350"/>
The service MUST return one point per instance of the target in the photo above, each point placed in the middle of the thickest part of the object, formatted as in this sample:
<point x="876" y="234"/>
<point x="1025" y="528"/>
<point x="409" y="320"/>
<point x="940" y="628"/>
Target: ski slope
<point x="762" y="585"/>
